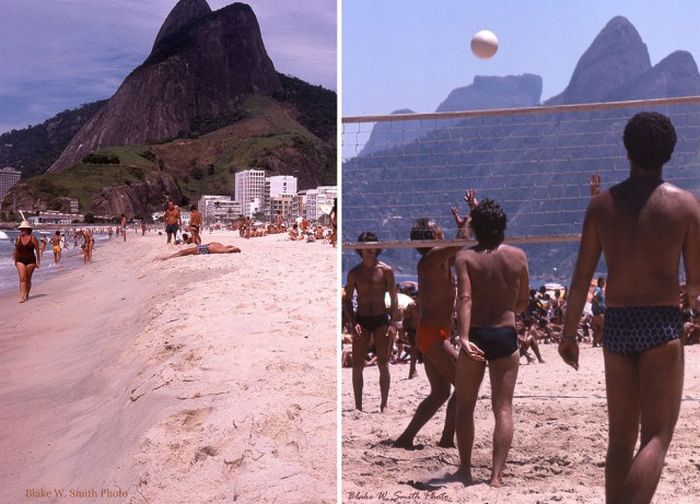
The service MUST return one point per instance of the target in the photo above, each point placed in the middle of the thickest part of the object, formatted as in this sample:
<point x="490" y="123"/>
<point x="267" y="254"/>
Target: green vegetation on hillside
<point x="33" y="149"/>
<point x="317" y="106"/>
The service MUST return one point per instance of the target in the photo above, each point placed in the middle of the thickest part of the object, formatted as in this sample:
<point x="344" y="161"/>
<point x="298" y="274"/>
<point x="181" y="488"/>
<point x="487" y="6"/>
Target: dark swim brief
<point x="372" y="322"/>
<point x="202" y="249"/>
<point x="633" y="330"/>
<point x="428" y="336"/>
<point x="171" y="228"/>
<point x="496" y="342"/>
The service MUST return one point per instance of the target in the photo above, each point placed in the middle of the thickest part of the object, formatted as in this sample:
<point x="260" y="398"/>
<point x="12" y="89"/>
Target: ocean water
<point x="72" y="258"/>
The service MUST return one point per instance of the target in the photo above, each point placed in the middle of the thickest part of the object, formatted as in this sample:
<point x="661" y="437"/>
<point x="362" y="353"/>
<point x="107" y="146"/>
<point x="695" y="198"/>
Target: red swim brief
<point x="427" y="336"/>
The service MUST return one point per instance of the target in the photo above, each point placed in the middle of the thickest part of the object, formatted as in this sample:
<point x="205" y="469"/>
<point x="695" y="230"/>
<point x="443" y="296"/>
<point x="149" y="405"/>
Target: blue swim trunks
<point x="202" y="249"/>
<point x="633" y="330"/>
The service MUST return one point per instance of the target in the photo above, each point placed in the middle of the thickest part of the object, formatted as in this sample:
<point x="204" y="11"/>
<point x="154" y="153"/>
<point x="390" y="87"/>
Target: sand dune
<point x="199" y="379"/>
<point x="558" y="452"/>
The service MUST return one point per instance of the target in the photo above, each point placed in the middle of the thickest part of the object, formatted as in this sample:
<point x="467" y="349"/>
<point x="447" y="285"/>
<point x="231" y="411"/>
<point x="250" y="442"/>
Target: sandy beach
<point x="198" y="379"/>
<point x="558" y="451"/>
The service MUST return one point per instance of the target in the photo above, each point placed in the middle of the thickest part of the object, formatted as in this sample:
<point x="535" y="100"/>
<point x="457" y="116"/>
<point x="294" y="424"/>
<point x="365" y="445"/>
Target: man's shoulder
<point x="512" y="250"/>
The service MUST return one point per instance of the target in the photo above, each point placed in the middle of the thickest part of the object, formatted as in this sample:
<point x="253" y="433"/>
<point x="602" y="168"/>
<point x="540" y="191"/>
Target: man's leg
<point x="446" y="362"/>
<point x="439" y="393"/>
<point x="360" y="347"/>
<point x="660" y="390"/>
<point x="467" y="381"/>
<point x="622" y="385"/>
<point x="503" y="373"/>
<point x="383" y="342"/>
<point x="414" y="353"/>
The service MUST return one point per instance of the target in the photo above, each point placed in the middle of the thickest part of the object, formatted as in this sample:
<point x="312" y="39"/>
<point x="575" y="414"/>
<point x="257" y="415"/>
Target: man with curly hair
<point x="643" y="225"/>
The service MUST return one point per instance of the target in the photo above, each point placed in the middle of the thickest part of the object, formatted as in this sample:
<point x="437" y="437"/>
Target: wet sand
<point x="558" y="451"/>
<point x="199" y="379"/>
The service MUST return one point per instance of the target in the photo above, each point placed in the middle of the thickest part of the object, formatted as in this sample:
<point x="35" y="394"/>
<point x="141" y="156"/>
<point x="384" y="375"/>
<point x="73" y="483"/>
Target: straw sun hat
<point x="24" y="225"/>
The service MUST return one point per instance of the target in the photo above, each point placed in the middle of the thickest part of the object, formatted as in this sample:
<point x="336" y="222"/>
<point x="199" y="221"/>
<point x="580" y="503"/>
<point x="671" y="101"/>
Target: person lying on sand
<point x="209" y="248"/>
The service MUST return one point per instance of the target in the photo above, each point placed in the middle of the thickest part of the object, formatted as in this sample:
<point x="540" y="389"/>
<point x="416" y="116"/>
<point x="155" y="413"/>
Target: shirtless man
<point x="371" y="279"/>
<point x="87" y="246"/>
<point x="492" y="286"/>
<point x="436" y="297"/>
<point x="209" y="248"/>
<point x="642" y="225"/>
<point x="172" y="220"/>
<point x="56" y="240"/>
<point x="195" y="224"/>
<point x="122" y="223"/>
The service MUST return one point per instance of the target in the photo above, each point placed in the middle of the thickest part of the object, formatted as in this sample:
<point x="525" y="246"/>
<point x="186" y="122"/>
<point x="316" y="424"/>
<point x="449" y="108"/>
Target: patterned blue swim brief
<point x="633" y="330"/>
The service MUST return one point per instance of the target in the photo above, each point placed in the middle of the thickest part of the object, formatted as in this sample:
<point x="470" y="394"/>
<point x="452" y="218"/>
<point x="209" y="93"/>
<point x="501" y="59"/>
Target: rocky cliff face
<point x="133" y="200"/>
<point x="675" y="75"/>
<point x="200" y="67"/>
<point x="184" y="12"/>
<point x="616" y="56"/>
<point x="136" y="200"/>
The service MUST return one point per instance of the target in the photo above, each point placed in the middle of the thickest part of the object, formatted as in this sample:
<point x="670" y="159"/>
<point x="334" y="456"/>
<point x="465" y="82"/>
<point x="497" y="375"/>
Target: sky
<point x="399" y="54"/>
<point x="59" y="54"/>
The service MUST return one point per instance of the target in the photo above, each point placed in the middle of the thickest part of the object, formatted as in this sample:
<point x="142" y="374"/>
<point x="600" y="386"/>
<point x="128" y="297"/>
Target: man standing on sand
<point x="195" y="224"/>
<point x="436" y="296"/>
<point x="371" y="279"/>
<point x="172" y="220"/>
<point x="56" y="247"/>
<point x="642" y="225"/>
<point x="122" y="224"/>
<point x="492" y="286"/>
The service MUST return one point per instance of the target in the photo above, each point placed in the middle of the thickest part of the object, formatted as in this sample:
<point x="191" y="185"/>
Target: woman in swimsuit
<point x="492" y="286"/>
<point x="27" y="258"/>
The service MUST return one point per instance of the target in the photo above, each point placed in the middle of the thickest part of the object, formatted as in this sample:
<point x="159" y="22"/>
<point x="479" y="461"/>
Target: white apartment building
<point x="286" y="205"/>
<point x="8" y="178"/>
<point x="218" y="208"/>
<point x="250" y="184"/>
<point x="278" y="185"/>
<point x="318" y="202"/>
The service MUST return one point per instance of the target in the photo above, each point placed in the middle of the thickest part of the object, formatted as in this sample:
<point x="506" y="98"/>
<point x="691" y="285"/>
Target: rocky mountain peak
<point x="495" y="92"/>
<point x="616" y="56"/>
<point x="203" y="70"/>
<point x="184" y="12"/>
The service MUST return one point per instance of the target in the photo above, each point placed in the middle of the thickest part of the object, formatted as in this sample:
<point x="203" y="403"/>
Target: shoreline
<point x="176" y="381"/>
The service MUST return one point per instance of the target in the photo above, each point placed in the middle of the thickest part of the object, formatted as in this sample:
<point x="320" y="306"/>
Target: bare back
<point x="499" y="284"/>
<point x="642" y="229"/>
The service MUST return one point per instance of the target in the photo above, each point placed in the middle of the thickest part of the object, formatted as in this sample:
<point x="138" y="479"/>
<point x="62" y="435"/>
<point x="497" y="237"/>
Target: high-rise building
<point x="218" y="208"/>
<point x="278" y="185"/>
<point x="8" y="178"/>
<point x="250" y="184"/>
<point x="319" y="202"/>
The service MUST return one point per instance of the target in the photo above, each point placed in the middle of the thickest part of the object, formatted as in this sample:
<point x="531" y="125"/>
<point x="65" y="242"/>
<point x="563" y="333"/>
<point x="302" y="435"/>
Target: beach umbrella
<point x="403" y="300"/>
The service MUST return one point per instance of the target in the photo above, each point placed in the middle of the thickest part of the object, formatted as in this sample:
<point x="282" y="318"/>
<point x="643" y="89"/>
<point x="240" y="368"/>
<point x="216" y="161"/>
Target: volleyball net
<point x="535" y="162"/>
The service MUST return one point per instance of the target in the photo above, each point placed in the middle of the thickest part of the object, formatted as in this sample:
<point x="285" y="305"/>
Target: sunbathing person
<point x="209" y="248"/>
